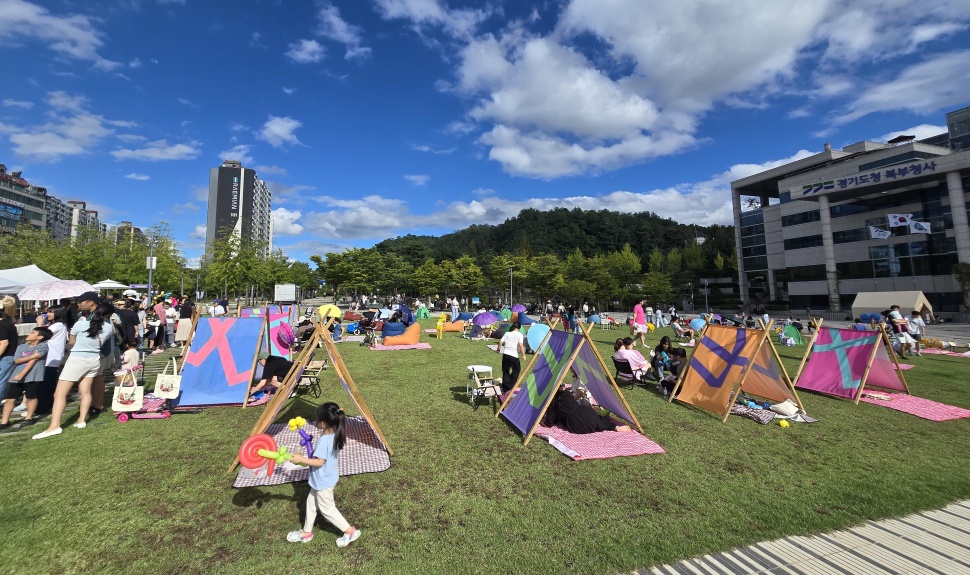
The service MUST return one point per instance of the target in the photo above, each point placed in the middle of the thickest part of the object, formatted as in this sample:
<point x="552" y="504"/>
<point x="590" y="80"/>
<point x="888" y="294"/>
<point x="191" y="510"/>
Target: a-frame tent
<point x="728" y="360"/>
<point x="560" y="354"/>
<point x="844" y="362"/>
<point x="320" y="334"/>
<point x="221" y="357"/>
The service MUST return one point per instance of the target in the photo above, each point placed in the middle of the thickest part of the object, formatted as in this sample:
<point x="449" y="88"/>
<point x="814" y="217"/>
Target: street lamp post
<point x="510" y="287"/>
<point x="151" y="266"/>
<point x="707" y="291"/>
<point x="690" y="286"/>
<point x="182" y="282"/>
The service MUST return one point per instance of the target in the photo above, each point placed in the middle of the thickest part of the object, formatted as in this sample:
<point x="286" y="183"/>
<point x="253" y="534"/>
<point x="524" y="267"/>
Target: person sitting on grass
<point x="275" y="369"/>
<point x="624" y="351"/>
<point x="576" y="417"/>
<point x="28" y="375"/>
<point x="681" y="331"/>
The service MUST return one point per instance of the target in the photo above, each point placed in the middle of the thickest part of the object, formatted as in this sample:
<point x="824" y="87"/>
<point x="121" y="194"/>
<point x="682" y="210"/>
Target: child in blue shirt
<point x="323" y="477"/>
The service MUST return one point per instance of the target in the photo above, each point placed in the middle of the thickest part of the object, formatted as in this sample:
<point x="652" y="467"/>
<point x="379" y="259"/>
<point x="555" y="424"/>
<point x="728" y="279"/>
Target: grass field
<point x="463" y="495"/>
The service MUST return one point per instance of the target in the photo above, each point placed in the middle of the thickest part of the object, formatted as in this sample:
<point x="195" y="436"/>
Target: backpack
<point x="286" y="335"/>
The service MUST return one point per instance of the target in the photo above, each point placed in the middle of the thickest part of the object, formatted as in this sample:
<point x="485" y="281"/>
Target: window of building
<point x="755" y="263"/>
<point x="749" y="241"/>
<point x="801" y="218"/>
<point x="752" y="230"/>
<point x="806" y="273"/>
<point x="752" y="217"/>
<point x="803" y="242"/>
<point x="754" y="251"/>
<point x="854" y="270"/>
<point x="898" y="158"/>
<point x="849" y="236"/>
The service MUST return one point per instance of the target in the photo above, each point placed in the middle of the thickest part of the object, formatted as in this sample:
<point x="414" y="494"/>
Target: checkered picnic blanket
<point x="421" y="345"/>
<point x="363" y="453"/>
<point x="924" y="408"/>
<point x="762" y="416"/>
<point x="599" y="445"/>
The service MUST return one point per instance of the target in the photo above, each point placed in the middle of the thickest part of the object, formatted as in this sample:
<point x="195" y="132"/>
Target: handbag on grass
<point x="167" y="385"/>
<point x="128" y="397"/>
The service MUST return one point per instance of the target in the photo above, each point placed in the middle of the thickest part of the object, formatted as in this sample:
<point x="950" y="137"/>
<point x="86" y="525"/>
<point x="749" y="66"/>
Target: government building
<point x="871" y="217"/>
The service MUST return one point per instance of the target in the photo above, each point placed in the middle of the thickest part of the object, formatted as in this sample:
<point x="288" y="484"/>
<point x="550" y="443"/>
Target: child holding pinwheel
<point x="323" y="477"/>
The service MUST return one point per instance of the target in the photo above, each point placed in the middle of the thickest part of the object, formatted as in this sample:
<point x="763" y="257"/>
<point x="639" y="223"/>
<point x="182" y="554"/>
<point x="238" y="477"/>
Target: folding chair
<point x="310" y="378"/>
<point x="625" y="373"/>
<point x="481" y="384"/>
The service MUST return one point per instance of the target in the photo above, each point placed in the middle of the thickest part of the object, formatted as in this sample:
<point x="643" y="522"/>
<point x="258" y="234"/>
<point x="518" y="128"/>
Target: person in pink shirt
<point x="639" y="322"/>
<point x="624" y="351"/>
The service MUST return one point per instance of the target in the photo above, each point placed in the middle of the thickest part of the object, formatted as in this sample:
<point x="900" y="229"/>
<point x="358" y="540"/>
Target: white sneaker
<point x="46" y="434"/>
<point x="346" y="540"/>
<point x="19" y="408"/>
<point x="80" y="425"/>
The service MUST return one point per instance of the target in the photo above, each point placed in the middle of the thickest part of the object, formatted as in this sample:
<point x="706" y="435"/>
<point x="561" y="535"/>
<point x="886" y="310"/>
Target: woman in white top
<point x="84" y="363"/>
<point x="511" y="346"/>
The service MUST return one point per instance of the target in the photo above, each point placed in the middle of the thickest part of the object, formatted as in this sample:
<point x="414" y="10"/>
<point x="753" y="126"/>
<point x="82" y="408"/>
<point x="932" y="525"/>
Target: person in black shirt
<point x="8" y="345"/>
<point x="275" y="369"/>
<point x="577" y="417"/>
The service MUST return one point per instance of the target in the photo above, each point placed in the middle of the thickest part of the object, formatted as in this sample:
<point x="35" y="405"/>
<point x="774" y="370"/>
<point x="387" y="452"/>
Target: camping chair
<point x="681" y="334"/>
<point x="625" y="373"/>
<point x="481" y="384"/>
<point x="310" y="378"/>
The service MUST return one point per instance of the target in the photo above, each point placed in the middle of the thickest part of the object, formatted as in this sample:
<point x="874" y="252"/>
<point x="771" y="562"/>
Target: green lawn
<point x="463" y="495"/>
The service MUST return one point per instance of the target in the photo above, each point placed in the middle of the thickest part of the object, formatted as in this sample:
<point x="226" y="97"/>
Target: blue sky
<point x="371" y="119"/>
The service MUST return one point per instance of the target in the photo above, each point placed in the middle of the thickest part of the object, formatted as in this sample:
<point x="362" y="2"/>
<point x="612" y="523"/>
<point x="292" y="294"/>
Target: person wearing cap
<point x="275" y="369"/>
<point x="90" y="340"/>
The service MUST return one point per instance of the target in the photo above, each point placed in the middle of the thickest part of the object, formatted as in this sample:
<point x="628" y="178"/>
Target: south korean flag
<point x="899" y="220"/>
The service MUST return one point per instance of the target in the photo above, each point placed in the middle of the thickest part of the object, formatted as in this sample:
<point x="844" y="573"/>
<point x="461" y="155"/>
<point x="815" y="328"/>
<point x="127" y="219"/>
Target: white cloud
<point x="278" y="131"/>
<point x="199" y="232"/>
<point x="72" y="130"/>
<point x="270" y="170"/>
<point x="619" y="82"/>
<point x="17" y="103"/>
<point x="285" y="222"/>
<point x="159" y="150"/>
<point x="306" y="51"/>
<point x="289" y="91"/>
<point x="130" y="137"/>
<point x="239" y="153"/>
<point x="418" y="179"/>
<point x="186" y="207"/>
<point x="430" y="150"/>
<point x="187" y="102"/>
<point x="937" y="82"/>
<point x="333" y="27"/>
<point x="73" y="37"/>
<point x="138" y="177"/>
<point x="134" y="63"/>
<point x="921" y="132"/>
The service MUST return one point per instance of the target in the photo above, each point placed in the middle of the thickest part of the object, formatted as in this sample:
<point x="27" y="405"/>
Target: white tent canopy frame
<point x="15" y="279"/>
<point x="878" y="302"/>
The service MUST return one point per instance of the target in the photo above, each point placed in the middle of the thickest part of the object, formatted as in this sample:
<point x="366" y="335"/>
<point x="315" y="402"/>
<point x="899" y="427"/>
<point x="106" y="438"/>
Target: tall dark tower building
<point x="239" y="203"/>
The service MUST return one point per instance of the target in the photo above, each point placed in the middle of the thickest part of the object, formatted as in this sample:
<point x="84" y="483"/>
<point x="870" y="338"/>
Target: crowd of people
<point x="75" y="343"/>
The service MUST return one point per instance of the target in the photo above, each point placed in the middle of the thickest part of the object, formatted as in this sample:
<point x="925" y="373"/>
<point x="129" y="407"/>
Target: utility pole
<point x="510" y="287"/>
<point x="707" y="290"/>
<point x="150" y="264"/>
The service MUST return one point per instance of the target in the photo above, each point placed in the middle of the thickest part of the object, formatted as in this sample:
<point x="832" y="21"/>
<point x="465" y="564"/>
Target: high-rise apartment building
<point x="20" y="202"/>
<point x="239" y="203"/>
<point x="81" y="217"/>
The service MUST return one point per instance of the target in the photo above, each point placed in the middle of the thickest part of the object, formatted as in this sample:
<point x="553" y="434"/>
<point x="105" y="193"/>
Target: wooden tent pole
<point x="683" y="372"/>
<point x="609" y="376"/>
<point x="784" y="373"/>
<point x="188" y="342"/>
<point x="528" y="368"/>
<point x="344" y="374"/>
<point x="555" y="388"/>
<point x="801" y="366"/>
<point x="872" y="356"/>
<point x="252" y="366"/>
<point x="765" y="334"/>
<point x="895" y="358"/>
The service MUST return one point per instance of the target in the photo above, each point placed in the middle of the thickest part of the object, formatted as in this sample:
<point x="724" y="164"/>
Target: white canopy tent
<point x="109" y="285"/>
<point x="877" y="302"/>
<point x="15" y="279"/>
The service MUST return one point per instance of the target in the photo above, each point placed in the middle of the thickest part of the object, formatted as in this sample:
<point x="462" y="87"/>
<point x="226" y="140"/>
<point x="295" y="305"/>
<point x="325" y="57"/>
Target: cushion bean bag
<point x="458" y="326"/>
<point x="352" y="316"/>
<point x="410" y="336"/>
<point x="392" y="329"/>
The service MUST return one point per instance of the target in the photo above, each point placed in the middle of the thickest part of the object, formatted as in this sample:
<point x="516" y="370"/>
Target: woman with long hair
<point x="83" y="365"/>
<point x="58" y="320"/>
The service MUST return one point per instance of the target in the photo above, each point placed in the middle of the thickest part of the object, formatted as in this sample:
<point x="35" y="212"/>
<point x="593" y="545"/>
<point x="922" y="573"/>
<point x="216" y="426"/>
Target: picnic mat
<point x="924" y="408"/>
<point x="382" y="347"/>
<point x="933" y="351"/>
<point x="363" y="453"/>
<point x="599" y="445"/>
<point x="430" y="331"/>
<point x="353" y="338"/>
<point x="905" y="366"/>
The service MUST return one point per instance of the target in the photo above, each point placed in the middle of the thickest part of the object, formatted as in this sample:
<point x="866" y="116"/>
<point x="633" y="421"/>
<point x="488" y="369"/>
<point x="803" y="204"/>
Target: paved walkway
<point x="931" y="542"/>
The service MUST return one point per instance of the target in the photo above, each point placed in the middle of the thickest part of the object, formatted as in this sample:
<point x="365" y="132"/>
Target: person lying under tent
<point x="576" y="417"/>
<point x="275" y="369"/>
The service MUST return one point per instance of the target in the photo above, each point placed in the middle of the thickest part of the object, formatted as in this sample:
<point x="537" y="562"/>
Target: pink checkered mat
<point x="933" y="351"/>
<point x="906" y="366"/>
<point x="363" y="453"/>
<point x="599" y="445"/>
<point x="421" y="345"/>
<point x="925" y="408"/>
<point x="154" y="403"/>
